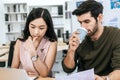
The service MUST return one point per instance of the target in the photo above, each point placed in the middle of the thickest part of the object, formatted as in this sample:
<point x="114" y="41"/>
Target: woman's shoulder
<point x="18" y="42"/>
<point x="47" y="41"/>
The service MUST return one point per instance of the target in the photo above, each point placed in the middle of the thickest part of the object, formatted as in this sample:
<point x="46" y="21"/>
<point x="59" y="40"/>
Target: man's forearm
<point x="69" y="60"/>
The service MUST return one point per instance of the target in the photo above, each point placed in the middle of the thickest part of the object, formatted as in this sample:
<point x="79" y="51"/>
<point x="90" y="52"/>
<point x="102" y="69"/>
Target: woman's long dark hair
<point x="40" y="13"/>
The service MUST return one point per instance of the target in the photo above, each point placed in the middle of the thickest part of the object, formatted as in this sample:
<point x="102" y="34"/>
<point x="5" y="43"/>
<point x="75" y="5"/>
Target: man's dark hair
<point x="92" y="6"/>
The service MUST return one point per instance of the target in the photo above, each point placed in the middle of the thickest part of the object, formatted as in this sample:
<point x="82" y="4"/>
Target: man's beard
<point x="95" y="29"/>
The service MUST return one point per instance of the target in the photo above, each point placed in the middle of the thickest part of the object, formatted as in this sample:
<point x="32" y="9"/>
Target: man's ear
<point x="100" y="17"/>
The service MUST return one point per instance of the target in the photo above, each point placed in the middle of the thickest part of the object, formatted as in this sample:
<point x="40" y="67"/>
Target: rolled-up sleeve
<point x="69" y="70"/>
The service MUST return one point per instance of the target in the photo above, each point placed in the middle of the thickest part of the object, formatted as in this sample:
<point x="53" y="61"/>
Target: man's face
<point x="89" y="23"/>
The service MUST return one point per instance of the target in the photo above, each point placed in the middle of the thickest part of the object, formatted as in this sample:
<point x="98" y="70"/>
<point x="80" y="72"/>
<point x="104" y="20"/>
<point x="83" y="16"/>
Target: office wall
<point x="3" y="30"/>
<point x="111" y="16"/>
<point x="2" y="24"/>
<point x="111" y="13"/>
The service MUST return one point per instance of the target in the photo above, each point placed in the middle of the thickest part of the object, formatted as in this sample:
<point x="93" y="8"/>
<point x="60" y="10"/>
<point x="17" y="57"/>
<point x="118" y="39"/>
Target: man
<point x="100" y="49"/>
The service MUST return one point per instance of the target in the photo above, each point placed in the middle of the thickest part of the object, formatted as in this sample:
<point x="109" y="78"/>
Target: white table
<point x="4" y="50"/>
<point x="62" y="47"/>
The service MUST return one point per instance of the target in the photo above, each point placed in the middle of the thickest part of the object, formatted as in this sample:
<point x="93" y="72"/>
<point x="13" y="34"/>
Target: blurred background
<point x="13" y="14"/>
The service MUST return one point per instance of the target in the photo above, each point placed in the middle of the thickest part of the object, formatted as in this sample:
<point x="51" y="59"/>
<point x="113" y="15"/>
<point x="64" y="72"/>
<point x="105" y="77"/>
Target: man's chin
<point x="89" y="35"/>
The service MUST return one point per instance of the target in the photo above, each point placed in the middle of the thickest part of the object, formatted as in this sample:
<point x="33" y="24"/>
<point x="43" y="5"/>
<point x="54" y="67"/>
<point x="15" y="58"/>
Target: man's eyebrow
<point x="83" y="20"/>
<point x="86" y="20"/>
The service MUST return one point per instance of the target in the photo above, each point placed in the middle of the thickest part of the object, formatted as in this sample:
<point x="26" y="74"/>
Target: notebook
<point x="13" y="74"/>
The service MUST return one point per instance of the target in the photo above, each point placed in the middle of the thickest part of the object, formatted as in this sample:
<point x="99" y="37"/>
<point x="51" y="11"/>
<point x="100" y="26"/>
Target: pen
<point x="36" y="78"/>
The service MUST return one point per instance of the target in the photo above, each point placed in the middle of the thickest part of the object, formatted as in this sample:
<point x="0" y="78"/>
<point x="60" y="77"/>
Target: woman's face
<point x="37" y="28"/>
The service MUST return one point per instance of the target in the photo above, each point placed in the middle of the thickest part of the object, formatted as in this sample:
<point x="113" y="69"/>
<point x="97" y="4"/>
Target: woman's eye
<point x="41" y="28"/>
<point x="32" y="27"/>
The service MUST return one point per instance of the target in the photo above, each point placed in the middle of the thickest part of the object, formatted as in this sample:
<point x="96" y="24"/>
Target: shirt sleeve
<point x="115" y="64"/>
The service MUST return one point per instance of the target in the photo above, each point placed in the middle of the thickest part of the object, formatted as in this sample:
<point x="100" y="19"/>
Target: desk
<point x="59" y="48"/>
<point x="4" y="50"/>
<point x="4" y="47"/>
<point x="12" y="73"/>
<point x="46" y="79"/>
<point x="4" y="58"/>
<point x="40" y="78"/>
<point x="4" y="54"/>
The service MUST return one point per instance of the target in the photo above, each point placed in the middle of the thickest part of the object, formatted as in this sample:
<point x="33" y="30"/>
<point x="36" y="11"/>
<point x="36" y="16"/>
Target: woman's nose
<point x="36" y="31"/>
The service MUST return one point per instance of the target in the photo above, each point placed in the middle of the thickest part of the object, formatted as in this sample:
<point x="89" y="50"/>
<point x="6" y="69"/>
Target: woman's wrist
<point x="33" y="53"/>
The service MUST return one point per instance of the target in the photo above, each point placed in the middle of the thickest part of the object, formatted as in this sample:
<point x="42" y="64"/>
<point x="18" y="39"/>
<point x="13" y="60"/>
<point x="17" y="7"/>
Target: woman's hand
<point x="36" y="42"/>
<point x="99" y="77"/>
<point x="29" y="46"/>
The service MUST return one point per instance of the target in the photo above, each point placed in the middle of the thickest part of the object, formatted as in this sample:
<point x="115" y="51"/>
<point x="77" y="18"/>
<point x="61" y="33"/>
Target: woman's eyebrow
<point x="38" y="26"/>
<point x="32" y="24"/>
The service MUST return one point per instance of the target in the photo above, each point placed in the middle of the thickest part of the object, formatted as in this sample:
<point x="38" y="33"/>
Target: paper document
<point x="83" y="75"/>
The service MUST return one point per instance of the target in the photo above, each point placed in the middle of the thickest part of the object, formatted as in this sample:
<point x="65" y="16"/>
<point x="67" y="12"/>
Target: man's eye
<point x="87" y="21"/>
<point x="80" y="22"/>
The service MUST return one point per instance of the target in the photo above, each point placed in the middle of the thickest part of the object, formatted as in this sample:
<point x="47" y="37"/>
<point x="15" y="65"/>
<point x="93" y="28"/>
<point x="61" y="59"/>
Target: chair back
<point x="11" y="51"/>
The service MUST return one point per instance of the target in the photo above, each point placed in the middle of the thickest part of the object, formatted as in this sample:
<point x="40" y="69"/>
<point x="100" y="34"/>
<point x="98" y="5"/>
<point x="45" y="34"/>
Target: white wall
<point x="3" y="30"/>
<point x="37" y="2"/>
<point x="2" y="24"/>
<point x="70" y="25"/>
<point x="110" y="14"/>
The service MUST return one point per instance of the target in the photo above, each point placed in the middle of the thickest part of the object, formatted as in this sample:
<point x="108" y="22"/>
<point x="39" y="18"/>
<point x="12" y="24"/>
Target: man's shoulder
<point x="113" y="32"/>
<point x="112" y="29"/>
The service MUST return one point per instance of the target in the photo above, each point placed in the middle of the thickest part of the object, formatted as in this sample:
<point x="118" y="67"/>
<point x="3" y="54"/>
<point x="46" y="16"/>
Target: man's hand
<point x="74" y="41"/>
<point x="73" y="45"/>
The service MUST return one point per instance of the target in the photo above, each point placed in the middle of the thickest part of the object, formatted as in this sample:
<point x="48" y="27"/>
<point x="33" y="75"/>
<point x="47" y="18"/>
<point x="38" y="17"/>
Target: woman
<point x="36" y="51"/>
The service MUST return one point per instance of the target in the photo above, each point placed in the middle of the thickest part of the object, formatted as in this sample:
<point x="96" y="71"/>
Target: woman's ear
<point x="100" y="17"/>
